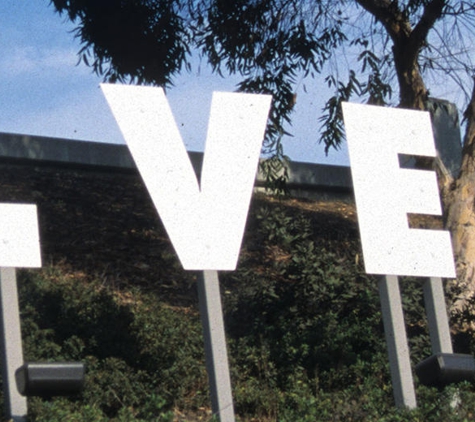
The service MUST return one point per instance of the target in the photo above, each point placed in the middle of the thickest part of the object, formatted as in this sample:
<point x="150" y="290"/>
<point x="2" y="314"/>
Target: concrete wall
<point x="305" y="180"/>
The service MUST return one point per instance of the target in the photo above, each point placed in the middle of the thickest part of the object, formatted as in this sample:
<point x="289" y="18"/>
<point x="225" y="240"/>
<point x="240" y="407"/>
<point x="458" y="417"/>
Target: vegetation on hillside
<point x="303" y="321"/>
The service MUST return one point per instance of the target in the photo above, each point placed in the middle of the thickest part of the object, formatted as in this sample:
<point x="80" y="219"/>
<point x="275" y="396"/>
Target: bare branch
<point x="432" y="13"/>
<point x="390" y="16"/>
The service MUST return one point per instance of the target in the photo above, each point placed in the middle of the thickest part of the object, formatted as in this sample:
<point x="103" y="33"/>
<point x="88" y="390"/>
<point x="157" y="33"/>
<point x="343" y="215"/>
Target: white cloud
<point x="22" y="60"/>
<point x="26" y="62"/>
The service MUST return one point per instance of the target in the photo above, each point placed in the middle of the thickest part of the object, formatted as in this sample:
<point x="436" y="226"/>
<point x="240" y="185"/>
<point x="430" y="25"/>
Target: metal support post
<point x="437" y="318"/>
<point x="12" y="353"/>
<point x="396" y="339"/>
<point x="215" y="346"/>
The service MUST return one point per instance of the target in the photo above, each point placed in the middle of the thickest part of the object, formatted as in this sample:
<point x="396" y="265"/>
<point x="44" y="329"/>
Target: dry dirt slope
<point x="104" y="224"/>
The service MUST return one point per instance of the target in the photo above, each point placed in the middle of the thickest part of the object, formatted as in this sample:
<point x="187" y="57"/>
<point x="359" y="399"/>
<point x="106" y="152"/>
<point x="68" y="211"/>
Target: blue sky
<point x="44" y="92"/>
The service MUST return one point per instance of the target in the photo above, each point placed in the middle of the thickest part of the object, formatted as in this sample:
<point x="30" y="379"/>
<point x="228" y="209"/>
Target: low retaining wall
<point x="305" y="180"/>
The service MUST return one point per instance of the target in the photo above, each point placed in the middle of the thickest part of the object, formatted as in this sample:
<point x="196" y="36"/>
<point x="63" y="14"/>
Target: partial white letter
<point x="19" y="236"/>
<point x="385" y="193"/>
<point x="205" y="220"/>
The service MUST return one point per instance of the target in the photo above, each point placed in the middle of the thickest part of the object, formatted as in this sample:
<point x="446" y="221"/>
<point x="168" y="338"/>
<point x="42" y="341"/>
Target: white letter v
<point x="205" y="221"/>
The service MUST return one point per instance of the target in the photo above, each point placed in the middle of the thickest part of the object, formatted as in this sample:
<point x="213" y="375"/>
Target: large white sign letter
<point x="385" y="193"/>
<point x="205" y="220"/>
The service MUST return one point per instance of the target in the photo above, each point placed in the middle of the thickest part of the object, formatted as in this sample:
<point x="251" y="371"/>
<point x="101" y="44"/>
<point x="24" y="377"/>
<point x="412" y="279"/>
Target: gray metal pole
<point x="396" y="339"/>
<point x="437" y="318"/>
<point x="215" y="346"/>
<point x="12" y="353"/>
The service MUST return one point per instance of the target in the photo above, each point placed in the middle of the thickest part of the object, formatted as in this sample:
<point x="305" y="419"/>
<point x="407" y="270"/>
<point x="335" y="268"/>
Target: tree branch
<point x="397" y="23"/>
<point x="432" y="13"/>
<point x="390" y="16"/>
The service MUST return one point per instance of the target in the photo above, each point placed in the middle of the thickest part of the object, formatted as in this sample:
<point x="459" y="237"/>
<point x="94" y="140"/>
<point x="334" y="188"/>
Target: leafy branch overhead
<point x="365" y="49"/>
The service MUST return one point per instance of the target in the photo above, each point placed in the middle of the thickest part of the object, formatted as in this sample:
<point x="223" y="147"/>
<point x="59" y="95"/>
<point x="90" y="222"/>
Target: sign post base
<point x="396" y="339"/>
<point x="12" y="352"/>
<point x="215" y="346"/>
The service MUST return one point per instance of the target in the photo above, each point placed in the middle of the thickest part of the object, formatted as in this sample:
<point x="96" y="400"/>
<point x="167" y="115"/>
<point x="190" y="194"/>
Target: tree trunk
<point x="460" y="215"/>
<point x="458" y="195"/>
<point x="412" y="90"/>
<point x="407" y="44"/>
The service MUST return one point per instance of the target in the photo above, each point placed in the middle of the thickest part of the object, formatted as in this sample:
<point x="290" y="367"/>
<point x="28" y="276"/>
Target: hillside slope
<point x="104" y="224"/>
<point x="303" y="320"/>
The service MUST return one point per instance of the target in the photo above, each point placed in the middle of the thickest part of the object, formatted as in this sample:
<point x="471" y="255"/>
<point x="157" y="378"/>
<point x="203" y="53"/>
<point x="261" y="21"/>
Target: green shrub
<point x="314" y="310"/>
<point x="135" y="351"/>
<point x="304" y="328"/>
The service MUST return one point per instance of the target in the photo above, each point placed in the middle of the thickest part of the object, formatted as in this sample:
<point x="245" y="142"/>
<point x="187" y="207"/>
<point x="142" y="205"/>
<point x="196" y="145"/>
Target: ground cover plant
<point x="303" y="321"/>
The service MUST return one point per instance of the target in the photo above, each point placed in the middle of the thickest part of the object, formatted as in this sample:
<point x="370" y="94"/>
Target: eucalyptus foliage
<point x="356" y="46"/>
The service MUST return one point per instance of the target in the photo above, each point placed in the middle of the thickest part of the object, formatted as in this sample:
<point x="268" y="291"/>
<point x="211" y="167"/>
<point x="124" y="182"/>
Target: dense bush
<point x="134" y="347"/>
<point x="306" y="341"/>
